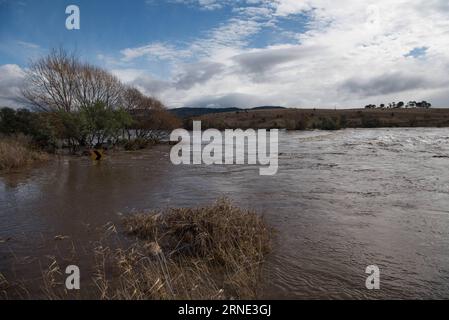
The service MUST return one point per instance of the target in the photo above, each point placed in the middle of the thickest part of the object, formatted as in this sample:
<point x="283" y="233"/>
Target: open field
<point x="305" y="119"/>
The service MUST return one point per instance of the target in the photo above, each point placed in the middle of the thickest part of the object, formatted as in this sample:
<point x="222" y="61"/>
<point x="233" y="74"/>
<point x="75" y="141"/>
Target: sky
<point x="243" y="53"/>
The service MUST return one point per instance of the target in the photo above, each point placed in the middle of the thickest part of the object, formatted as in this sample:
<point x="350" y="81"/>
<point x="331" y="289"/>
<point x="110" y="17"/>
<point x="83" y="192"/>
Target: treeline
<point x="77" y="105"/>
<point x="401" y="105"/>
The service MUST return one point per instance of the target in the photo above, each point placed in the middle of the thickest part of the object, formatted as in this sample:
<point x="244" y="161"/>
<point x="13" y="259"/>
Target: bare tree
<point x="131" y="99"/>
<point x="94" y="84"/>
<point x="151" y="117"/>
<point x="51" y="82"/>
<point x="60" y="82"/>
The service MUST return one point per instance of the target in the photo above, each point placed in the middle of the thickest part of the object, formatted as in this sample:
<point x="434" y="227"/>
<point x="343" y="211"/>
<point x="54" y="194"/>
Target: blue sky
<point x="110" y="26"/>
<point x="107" y="26"/>
<point x="296" y="53"/>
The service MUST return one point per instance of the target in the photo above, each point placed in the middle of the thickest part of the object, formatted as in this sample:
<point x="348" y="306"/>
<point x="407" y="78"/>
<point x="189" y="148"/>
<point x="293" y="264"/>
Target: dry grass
<point x="213" y="252"/>
<point x="16" y="153"/>
<point x="209" y="253"/>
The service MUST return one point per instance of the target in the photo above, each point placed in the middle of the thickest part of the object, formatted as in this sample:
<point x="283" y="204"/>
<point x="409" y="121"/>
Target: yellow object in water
<point x="96" y="155"/>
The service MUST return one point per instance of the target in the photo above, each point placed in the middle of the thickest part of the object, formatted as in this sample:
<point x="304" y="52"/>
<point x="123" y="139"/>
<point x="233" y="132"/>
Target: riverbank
<point x="18" y="153"/>
<point x="309" y="119"/>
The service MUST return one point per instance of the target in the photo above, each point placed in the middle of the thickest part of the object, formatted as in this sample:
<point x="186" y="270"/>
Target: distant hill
<point x="267" y="108"/>
<point x="185" y="113"/>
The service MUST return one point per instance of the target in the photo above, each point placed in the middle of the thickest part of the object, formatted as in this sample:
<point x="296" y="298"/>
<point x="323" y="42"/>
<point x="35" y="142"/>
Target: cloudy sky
<point x="244" y="53"/>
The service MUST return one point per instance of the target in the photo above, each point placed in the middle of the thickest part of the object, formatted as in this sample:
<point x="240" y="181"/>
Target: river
<point x="340" y="202"/>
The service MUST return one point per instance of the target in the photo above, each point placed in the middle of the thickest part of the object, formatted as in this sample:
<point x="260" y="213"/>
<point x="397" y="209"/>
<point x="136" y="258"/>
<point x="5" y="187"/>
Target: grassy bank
<point x="214" y="253"/>
<point x="307" y="119"/>
<point x="17" y="152"/>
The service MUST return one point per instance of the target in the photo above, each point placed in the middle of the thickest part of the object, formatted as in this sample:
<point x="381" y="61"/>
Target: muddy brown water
<point x="341" y="201"/>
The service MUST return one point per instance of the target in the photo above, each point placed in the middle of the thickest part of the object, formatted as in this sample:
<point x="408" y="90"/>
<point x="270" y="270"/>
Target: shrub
<point x="15" y="122"/>
<point x="38" y="126"/>
<point x="328" y="124"/>
<point x="136" y="144"/>
<point x="93" y="125"/>
<point x="368" y="122"/>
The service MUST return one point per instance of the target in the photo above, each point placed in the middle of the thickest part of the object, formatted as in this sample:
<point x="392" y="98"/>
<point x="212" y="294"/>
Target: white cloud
<point x="155" y="50"/>
<point x="354" y="52"/>
<point x="11" y="79"/>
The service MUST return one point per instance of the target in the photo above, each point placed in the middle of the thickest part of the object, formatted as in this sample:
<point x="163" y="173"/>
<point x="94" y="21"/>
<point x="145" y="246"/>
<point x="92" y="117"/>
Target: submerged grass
<point x="212" y="252"/>
<point x="209" y="253"/>
<point x="16" y="152"/>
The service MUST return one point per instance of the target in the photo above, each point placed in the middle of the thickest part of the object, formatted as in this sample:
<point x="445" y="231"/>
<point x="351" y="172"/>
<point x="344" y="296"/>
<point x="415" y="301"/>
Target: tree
<point x="392" y="105"/>
<point x="32" y="124"/>
<point x="94" y="125"/>
<point x="97" y="85"/>
<point x="60" y="82"/>
<point x="151" y="118"/>
<point x="8" y="122"/>
<point x="424" y="105"/>
<point x="90" y="106"/>
<point x="13" y="122"/>
<point x="104" y="124"/>
<point x="51" y="81"/>
<point x="132" y="99"/>
<point x="411" y="105"/>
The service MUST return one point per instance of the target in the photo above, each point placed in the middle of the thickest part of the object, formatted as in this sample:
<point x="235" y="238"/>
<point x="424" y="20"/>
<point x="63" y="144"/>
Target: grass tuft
<point x="214" y="252"/>
<point x="16" y="153"/>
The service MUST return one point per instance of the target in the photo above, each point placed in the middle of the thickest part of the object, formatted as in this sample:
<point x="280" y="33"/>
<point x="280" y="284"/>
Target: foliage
<point x="401" y="105"/>
<point x="22" y="121"/>
<point x="368" y="122"/>
<point x="151" y="120"/>
<point x="80" y="105"/>
<point x="136" y="144"/>
<point x="93" y="125"/>
<point x="327" y="123"/>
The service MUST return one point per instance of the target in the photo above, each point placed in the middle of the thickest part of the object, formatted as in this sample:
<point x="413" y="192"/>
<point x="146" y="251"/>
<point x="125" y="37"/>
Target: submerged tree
<point x="88" y="105"/>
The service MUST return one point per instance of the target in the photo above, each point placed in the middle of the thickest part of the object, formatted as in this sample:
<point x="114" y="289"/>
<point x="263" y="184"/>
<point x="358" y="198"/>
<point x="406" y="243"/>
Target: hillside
<point x="185" y="113"/>
<point x="303" y="119"/>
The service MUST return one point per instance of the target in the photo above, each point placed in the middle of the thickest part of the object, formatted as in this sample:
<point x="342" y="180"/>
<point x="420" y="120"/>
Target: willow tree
<point x="51" y="82"/>
<point x="151" y="118"/>
<point x="61" y="82"/>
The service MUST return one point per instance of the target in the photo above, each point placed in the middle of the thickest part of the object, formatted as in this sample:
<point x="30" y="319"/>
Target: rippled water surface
<point x="340" y="202"/>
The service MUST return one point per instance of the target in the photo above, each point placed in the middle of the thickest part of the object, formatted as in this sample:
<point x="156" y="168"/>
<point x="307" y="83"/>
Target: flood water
<point x="340" y="202"/>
